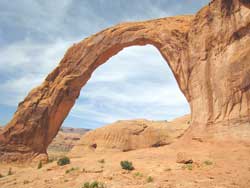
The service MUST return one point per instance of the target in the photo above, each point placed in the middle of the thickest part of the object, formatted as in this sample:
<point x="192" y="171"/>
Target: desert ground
<point x="215" y="164"/>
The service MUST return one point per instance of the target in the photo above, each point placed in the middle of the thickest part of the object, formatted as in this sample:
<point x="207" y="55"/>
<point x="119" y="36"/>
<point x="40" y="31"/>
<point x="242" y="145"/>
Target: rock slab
<point x="130" y="135"/>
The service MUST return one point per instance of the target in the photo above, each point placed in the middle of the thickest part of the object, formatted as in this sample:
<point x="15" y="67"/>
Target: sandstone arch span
<point x="209" y="54"/>
<point x="41" y="114"/>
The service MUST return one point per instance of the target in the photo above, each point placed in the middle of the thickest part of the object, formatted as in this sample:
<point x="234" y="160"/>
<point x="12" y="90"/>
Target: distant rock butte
<point x="66" y="139"/>
<point x="129" y="135"/>
<point x="73" y="130"/>
<point x="209" y="54"/>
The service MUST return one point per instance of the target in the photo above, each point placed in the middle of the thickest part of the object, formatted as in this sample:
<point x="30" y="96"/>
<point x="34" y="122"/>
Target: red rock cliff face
<point x="209" y="54"/>
<point x="219" y="63"/>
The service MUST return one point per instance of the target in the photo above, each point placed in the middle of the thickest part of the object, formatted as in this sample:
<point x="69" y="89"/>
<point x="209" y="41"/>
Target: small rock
<point x="184" y="158"/>
<point x="197" y="139"/>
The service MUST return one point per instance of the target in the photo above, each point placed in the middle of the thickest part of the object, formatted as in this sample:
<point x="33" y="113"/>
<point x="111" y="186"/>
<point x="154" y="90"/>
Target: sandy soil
<point x="216" y="165"/>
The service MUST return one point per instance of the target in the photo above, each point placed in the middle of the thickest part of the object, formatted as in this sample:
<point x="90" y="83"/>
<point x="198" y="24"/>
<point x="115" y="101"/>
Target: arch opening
<point x="136" y="83"/>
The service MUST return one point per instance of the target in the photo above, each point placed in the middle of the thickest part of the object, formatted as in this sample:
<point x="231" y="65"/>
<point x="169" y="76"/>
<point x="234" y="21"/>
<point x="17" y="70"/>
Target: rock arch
<point x="204" y="52"/>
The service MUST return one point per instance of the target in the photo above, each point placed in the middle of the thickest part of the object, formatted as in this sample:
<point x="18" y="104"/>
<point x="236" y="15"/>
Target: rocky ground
<point x="215" y="165"/>
<point x="211" y="164"/>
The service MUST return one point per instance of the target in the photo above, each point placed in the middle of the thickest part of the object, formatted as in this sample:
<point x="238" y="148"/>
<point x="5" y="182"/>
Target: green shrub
<point x="138" y="174"/>
<point x="101" y="161"/>
<point x="51" y="159"/>
<point x="150" y="179"/>
<point x="40" y="165"/>
<point x="26" y="182"/>
<point x="167" y="169"/>
<point x="10" y="172"/>
<point x="94" y="184"/>
<point x="207" y="162"/>
<point x="70" y="170"/>
<point x="86" y="185"/>
<point x="127" y="165"/>
<point x="63" y="161"/>
<point x="188" y="166"/>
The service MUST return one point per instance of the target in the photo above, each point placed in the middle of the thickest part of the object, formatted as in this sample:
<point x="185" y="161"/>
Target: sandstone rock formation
<point x="209" y="54"/>
<point x="129" y="135"/>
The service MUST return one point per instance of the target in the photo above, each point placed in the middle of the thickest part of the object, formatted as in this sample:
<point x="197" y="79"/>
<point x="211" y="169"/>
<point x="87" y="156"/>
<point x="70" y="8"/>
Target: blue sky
<point x="136" y="83"/>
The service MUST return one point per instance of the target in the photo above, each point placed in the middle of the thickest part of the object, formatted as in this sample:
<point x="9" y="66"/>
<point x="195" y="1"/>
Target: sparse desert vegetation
<point x="71" y="170"/>
<point x="26" y="182"/>
<point x="94" y="184"/>
<point x="167" y="165"/>
<point x="188" y="166"/>
<point x="10" y="172"/>
<point x="138" y="174"/>
<point x="102" y="161"/>
<point x="40" y="165"/>
<point x="127" y="165"/>
<point x="150" y="179"/>
<point x="208" y="162"/>
<point x="63" y="161"/>
<point x="153" y="167"/>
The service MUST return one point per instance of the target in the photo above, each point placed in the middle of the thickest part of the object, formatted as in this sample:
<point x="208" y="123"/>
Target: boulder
<point x="184" y="158"/>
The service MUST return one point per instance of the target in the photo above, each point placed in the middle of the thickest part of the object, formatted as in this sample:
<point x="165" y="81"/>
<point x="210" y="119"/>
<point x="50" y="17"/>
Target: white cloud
<point x="131" y="60"/>
<point x="133" y="71"/>
<point x="45" y="17"/>
<point x="147" y="94"/>
<point x="24" y="65"/>
<point x="31" y="56"/>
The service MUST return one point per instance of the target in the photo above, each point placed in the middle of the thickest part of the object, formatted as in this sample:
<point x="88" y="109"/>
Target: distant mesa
<point x="65" y="140"/>
<point x="80" y="131"/>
